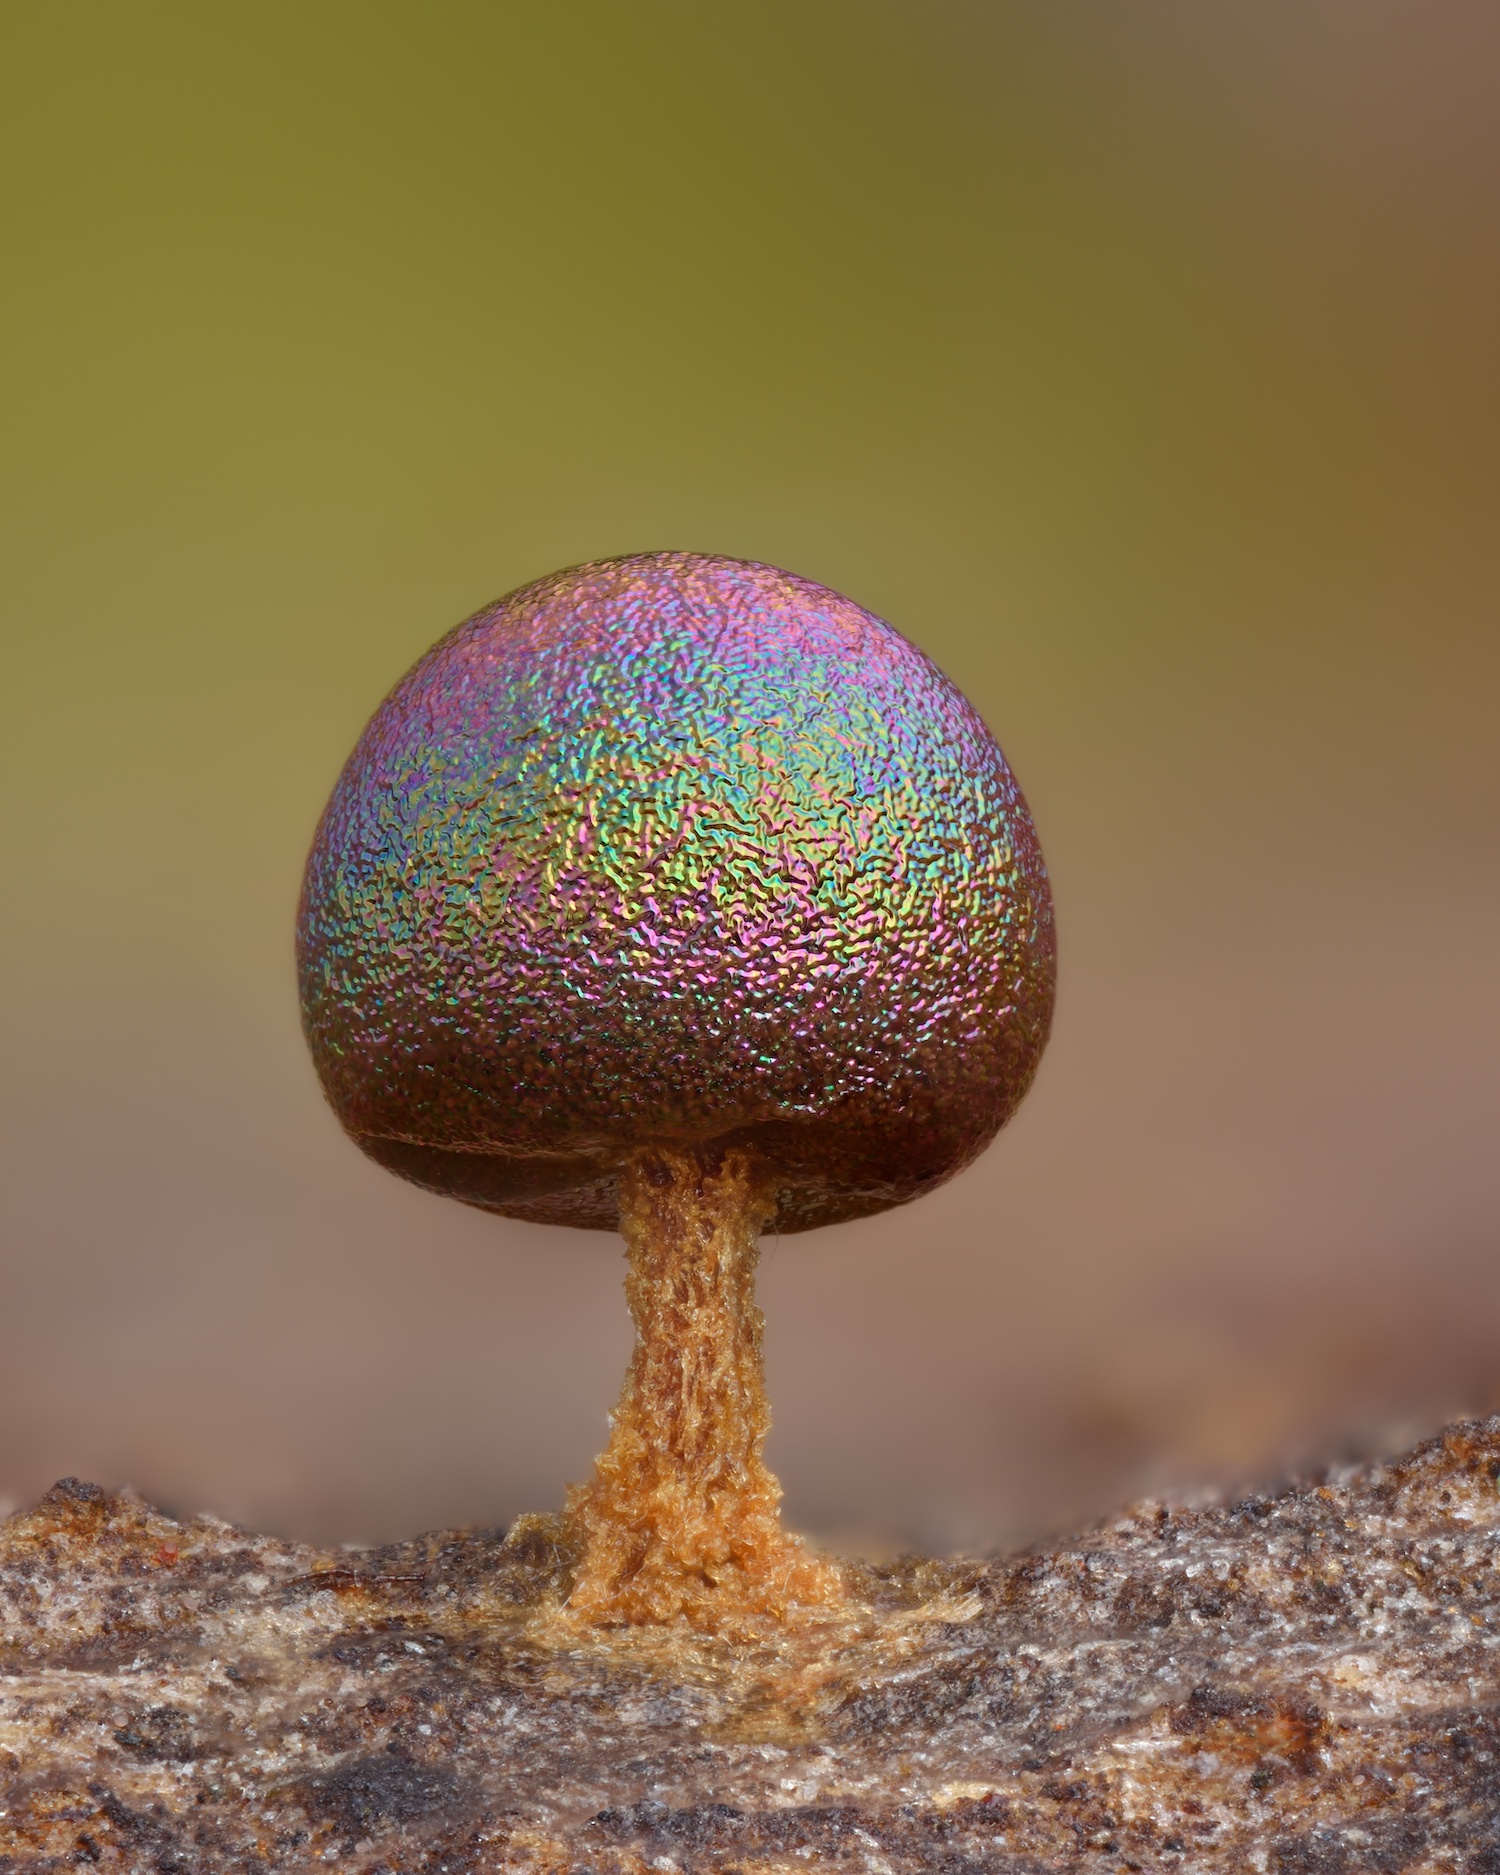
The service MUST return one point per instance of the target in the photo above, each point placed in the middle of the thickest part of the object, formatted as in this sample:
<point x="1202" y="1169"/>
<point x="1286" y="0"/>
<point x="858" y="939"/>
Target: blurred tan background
<point x="1140" y="362"/>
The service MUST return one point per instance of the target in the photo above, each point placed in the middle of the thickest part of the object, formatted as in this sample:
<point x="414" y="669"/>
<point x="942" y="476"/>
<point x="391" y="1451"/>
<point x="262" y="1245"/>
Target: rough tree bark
<point x="1305" y="1683"/>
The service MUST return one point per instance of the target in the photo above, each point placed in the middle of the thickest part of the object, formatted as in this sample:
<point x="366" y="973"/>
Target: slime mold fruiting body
<point x="681" y="875"/>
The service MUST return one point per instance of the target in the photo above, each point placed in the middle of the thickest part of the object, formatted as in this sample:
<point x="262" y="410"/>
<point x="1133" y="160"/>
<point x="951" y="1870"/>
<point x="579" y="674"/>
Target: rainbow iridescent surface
<point x="675" y="848"/>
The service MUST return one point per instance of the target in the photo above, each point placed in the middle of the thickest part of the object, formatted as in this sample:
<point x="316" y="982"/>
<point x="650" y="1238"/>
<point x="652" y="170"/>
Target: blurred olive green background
<point x="1138" y="361"/>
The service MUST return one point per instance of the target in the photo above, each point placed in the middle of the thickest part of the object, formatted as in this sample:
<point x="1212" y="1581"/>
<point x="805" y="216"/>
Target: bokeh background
<point x="1139" y="362"/>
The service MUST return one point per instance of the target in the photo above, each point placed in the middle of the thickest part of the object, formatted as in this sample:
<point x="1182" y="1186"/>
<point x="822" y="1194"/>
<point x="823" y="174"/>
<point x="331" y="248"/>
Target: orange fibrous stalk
<point x="681" y="1521"/>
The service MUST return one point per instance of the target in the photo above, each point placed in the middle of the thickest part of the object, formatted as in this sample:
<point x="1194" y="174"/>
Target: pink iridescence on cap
<point x="675" y="849"/>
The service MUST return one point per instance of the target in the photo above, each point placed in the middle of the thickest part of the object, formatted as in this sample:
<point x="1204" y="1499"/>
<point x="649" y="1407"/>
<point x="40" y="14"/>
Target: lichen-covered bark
<point x="1301" y="1684"/>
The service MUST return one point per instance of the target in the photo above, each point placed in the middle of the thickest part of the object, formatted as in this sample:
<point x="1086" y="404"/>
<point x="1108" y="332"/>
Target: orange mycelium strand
<point x="681" y="1520"/>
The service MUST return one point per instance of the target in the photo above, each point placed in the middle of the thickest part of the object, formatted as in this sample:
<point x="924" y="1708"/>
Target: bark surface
<point x="1305" y="1683"/>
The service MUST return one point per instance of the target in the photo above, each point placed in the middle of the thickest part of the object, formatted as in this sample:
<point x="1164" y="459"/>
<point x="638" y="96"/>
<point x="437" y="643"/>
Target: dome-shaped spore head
<point x="683" y="851"/>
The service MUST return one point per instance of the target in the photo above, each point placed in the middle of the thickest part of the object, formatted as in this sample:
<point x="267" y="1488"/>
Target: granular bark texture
<point x="1305" y="1683"/>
